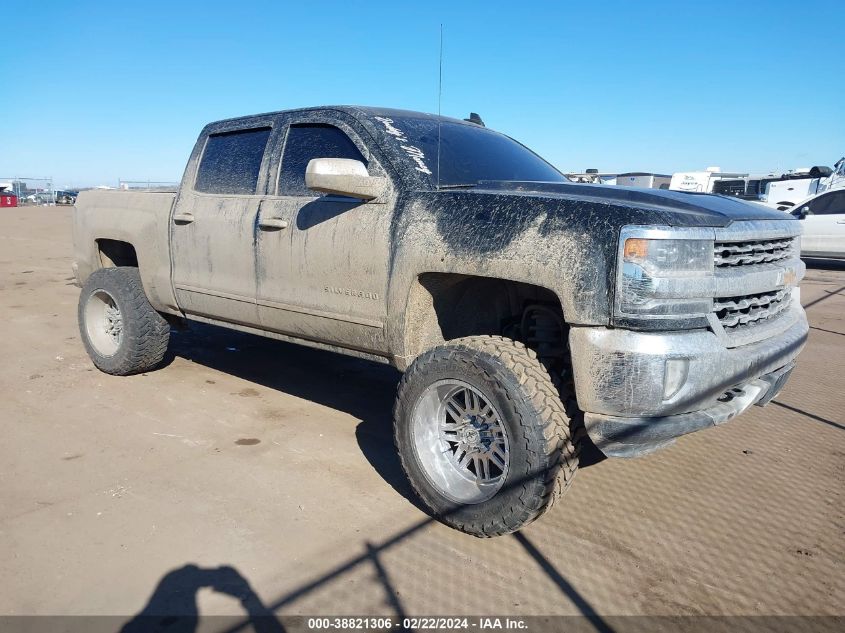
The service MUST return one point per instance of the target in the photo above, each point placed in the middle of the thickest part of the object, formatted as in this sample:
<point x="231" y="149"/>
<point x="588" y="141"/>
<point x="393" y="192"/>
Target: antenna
<point x="439" y="99"/>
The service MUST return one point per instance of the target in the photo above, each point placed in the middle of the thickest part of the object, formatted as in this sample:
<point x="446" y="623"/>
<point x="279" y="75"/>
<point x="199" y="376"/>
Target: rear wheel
<point x="121" y="331"/>
<point x="483" y="435"/>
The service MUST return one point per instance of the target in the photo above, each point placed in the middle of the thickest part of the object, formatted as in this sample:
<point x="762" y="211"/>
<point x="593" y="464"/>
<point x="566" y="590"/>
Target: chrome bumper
<point x="639" y="390"/>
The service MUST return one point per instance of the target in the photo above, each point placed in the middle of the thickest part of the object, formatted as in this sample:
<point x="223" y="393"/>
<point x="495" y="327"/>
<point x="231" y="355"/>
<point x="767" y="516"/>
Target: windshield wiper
<point x="462" y="186"/>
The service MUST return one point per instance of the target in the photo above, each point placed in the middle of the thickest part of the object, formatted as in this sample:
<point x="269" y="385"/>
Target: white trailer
<point x="700" y="181"/>
<point x="644" y="179"/>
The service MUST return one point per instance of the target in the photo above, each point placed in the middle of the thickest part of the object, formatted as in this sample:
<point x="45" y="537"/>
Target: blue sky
<point x="96" y="91"/>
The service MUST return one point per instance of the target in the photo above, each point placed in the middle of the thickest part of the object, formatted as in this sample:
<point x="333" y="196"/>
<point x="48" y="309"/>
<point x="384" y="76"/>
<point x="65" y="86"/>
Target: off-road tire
<point x="145" y="332"/>
<point x="543" y="453"/>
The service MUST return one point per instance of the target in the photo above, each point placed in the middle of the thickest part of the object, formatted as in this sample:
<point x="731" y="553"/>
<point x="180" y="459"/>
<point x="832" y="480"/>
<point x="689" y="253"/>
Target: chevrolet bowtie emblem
<point x="789" y="277"/>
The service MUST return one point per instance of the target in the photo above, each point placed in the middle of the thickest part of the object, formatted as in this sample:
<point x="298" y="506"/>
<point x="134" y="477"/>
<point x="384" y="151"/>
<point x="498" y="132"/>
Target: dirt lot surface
<point x="251" y="463"/>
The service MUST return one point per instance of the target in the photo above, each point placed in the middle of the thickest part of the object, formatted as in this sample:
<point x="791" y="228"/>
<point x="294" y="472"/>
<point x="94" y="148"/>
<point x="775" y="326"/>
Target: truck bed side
<point x="111" y="219"/>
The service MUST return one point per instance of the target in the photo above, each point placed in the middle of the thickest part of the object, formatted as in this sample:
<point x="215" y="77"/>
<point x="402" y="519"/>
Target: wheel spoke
<point x="465" y="461"/>
<point x="472" y="400"/>
<point x="476" y="462"/>
<point x="457" y="412"/>
<point x="498" y="457"/>
<point x="485" y="467"/>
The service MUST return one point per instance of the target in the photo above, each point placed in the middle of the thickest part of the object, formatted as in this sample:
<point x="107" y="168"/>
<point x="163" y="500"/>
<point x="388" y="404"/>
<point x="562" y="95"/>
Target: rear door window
<point x="231" y="162"/>
<point x="306" y="142"/>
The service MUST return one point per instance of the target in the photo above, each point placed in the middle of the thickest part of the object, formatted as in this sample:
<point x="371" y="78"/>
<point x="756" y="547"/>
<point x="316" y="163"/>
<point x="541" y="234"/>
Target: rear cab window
<point x="231" y="162"/>
<point x="306" y="142"/>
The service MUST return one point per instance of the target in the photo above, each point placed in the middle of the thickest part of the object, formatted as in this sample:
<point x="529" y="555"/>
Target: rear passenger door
<point x="324" y="275"/>
<point x="213" y="224"/>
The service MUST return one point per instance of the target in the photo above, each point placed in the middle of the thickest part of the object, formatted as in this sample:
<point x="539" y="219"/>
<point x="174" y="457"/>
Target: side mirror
<point x="802" y="213"/>
<point x="343" y="177"/>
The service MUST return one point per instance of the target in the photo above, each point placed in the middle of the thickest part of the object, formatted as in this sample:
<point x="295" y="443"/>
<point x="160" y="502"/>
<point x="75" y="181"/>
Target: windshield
<point x="469" y="153"/>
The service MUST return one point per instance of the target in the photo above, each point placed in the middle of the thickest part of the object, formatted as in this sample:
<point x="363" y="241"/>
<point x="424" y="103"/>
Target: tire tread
<point x="556" y="455"/>
<point x="146" y="337"/>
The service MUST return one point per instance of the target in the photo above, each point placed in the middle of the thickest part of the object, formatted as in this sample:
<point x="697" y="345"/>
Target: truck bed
<point x="139" y="218"/>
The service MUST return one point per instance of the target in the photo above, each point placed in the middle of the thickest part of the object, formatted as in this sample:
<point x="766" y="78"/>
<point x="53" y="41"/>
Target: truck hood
<point x="673" y="208"/>
<point x="561" y="236"/>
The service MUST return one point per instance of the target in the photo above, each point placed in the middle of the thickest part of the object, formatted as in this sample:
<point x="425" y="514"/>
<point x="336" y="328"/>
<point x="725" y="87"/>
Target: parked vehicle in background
<point x="646" y="180"/>
<point x="8" y="199"/>
<point x="783" y="194"/>
<point x="778" y="191"/>
<point x="523" y="309"/>
<point x="748" y="187"/>
<point x="796" y="187"/>
<point x="643" y="179"/>
<point x="592" y="176"/>
<point x="66" y="197"/>
<point x="700" y="181"/>
<point x="42" y="197"/>
<point x="823" y="220"/>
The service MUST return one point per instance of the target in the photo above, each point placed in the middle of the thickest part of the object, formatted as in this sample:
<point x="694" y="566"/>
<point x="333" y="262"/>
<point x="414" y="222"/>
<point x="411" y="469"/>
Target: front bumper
<point x="640" y="390"/>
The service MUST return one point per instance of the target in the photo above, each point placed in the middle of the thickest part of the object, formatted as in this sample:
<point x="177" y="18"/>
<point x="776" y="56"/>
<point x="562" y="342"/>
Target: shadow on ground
<point x="824" y="264"/>
<point x="364" y="389"/>
<point x="173" y="604"/>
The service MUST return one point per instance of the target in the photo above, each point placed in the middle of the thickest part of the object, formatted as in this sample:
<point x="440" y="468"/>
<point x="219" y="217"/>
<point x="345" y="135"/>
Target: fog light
<point x="675" y="373"/>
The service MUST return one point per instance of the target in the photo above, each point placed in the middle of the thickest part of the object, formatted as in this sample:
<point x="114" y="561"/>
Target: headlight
<point x="669" y="258"/>
<point x="665" y="273"/>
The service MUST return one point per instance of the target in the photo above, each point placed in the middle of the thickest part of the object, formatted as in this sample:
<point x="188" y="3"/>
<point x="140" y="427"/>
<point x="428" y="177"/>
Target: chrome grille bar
<point x="739" y="311"/>
<point x="752" y="252"/>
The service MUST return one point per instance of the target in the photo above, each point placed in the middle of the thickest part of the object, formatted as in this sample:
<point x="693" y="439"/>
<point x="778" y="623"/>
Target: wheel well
<point x="116" y="253"/>
<point x="443" y="307"/>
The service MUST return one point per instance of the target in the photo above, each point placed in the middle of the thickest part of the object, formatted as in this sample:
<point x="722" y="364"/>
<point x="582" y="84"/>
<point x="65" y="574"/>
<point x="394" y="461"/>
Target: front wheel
<point x="121" y="331"/>
<point x="483" y="435"/>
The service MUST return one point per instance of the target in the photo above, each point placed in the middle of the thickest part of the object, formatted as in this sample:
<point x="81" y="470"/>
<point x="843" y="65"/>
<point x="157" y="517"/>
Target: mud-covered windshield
<point x="469" y="153"/>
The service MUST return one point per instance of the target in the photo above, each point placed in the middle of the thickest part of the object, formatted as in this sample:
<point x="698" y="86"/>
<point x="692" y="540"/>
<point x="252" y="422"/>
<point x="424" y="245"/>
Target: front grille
<point x="736" y="312"/>
<point x="728" y="254"/>
<point x="756" y="267"/>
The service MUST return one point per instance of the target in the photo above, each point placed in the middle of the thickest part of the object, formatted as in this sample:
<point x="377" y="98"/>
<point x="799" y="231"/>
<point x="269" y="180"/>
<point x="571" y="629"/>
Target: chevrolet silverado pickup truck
<point x="525" y="311"/>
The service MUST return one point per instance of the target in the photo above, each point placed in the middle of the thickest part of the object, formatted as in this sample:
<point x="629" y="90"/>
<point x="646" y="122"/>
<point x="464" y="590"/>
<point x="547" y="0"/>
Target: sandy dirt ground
<point x="247" y="465"/>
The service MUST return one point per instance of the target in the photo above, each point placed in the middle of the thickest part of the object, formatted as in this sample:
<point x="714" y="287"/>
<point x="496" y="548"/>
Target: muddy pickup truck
<point x="528" y="313"/>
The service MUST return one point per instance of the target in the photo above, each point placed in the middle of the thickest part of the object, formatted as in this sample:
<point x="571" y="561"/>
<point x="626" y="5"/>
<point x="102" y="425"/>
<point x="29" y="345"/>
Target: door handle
<point x="272" y="223"/>
<point x="183" y="218"/>
<point x="840" y="221"/>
